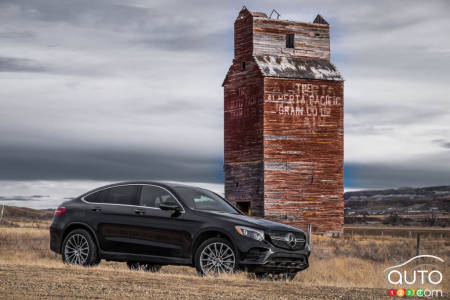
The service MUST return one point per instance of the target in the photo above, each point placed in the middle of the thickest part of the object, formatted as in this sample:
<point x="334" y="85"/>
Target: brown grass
<point x="348" y="268"/>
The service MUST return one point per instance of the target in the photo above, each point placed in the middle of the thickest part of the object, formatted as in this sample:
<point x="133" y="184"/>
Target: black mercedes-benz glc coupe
<point x="152" y="224"/>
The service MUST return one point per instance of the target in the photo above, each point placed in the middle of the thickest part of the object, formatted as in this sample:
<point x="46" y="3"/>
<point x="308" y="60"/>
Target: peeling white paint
<point x="282" y="66"/>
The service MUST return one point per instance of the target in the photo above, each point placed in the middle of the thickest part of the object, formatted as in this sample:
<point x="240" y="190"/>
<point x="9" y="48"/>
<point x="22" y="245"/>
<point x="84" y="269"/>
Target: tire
<point x="79" y="248"/>
<point x="96" y="262"/>
<point x="288" y="276"/>
<point x="215" y="256"/>
<point x="136" y="266"/>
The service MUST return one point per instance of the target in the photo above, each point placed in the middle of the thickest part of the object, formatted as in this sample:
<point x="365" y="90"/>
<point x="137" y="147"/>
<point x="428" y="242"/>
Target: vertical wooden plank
<point x="284" y="136"/>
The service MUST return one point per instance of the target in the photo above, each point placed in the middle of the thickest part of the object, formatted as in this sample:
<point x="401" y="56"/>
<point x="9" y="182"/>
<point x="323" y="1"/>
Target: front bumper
<point x="255" y="256"/>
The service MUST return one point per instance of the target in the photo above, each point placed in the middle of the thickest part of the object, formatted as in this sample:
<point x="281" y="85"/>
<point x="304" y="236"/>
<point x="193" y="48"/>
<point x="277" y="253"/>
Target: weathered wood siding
<point x="283" y="116"/>
<point x="243" y="36"/>
<point x="311" y="40"/>
<point x="303" y="152"/>
<point x="243" y="123"/>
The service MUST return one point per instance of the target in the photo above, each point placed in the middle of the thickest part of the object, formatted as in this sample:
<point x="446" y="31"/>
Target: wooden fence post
<point x="308" y="230"/>
<point x="1" y="213"/>
<point x="418" y="245"/>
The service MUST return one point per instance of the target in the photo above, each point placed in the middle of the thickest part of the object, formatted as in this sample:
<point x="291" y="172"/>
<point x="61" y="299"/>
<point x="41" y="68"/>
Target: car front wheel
<point x="215" y="256"/>
<point x="79" y="248"/>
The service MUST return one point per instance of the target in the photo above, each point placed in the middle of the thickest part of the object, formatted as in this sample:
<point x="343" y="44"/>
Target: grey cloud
<point x="12" y="64"/>
<point x="189" y="40"/>
<point x="443" y="143"/>
<point x="14" y="35"/>
<point x="98" y="103"/>
<point x="159" y="26"/>
<point x="378" y="119"/>
<point x="23" y="198"/>
<point x="80" y="12"/>
<point x="19" y="163"/>
<point x="421" y="170"/>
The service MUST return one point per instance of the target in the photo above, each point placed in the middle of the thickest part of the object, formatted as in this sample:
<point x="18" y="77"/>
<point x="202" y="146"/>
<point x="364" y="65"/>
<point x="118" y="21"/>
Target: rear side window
<point x="153" y="196"/>
<point x="126" y="194"/>
<point x="97" y="197"/>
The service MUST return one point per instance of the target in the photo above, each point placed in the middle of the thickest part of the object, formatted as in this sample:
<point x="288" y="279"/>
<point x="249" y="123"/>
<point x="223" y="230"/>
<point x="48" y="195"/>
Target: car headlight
<point x="250" y="232"/>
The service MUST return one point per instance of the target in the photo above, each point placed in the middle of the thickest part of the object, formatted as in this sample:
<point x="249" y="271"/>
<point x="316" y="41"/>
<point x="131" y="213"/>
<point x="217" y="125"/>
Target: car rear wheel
<point x="215" y="256"/>
<point x="136" y="266"/>
<point x="79" y="248"/>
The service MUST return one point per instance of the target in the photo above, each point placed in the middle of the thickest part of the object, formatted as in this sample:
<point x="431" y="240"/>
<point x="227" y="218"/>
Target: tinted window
<point x="126" y="194"/>
<point x="97" y="197"/>
<point x="123" y="195"/>
<point x="92" y="197"/>
<point x="153" y="196"/>
<point x="201" y="199"/>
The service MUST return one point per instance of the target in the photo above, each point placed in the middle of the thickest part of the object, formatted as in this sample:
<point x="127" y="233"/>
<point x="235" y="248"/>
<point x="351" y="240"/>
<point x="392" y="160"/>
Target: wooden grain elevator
<point x="283" y="122"/>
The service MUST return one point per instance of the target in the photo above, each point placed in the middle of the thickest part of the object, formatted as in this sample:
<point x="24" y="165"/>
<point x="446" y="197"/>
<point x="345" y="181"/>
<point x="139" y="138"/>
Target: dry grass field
<point x="350" y="268"/>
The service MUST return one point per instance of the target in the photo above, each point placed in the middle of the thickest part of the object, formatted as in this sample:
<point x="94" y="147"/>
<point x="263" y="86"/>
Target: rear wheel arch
<point x="71" y="227"/>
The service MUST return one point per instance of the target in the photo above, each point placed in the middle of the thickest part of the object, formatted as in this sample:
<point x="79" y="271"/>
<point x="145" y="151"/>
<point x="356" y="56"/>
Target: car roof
<point x="165" y="184"/>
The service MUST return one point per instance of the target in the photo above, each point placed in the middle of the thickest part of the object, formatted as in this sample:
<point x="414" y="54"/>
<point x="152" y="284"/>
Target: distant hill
<point x="428" y="206"/>
<point x="402" y="200"/>
<point x="403" y="206"/>
<point x="25" y="213"/>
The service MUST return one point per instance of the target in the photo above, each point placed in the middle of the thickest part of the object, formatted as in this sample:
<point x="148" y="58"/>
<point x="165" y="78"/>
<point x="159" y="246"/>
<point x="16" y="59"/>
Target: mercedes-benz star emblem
<point x="291" y="240"/>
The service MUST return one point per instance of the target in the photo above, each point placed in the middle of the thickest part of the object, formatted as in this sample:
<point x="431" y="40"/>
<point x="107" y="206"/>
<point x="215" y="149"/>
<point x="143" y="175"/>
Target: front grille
<point x="287" y="262"/>
<point x="256" y="253"/>
<point x="285" y="240"/>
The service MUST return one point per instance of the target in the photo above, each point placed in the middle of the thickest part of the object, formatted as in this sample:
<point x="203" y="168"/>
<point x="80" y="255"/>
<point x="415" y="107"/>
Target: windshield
<point x="201" y="199"/>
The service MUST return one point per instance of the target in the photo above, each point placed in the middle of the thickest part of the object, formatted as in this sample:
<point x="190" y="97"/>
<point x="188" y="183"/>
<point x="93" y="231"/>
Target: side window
<point x="126" y="194"/>
<point x="153" y="196"/>
<point x="97" y="197"/>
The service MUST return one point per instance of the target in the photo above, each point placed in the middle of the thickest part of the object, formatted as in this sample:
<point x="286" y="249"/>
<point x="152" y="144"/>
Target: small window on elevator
<point x="244" y="206"/>
<point x="290" y="40"/>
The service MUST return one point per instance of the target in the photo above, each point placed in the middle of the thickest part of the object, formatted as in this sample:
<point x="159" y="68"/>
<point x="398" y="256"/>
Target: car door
<point x="111" y="212"/>
<point x="158" y="232"/>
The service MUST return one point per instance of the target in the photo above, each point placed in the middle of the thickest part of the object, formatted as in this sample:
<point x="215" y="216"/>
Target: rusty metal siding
<point x="303" y="153"/>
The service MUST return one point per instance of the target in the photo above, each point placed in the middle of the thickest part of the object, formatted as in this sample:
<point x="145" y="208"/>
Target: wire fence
<point x="402" y="232"/>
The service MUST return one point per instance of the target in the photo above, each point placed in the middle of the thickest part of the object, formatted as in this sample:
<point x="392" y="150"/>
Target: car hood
<point x="252" y="221"/>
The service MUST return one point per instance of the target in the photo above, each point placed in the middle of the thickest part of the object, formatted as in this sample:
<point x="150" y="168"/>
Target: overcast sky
<point x="99" y="91"/>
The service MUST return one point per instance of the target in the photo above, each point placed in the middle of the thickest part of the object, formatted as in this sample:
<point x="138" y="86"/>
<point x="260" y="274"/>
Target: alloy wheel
<point x="76" y="249"/>
<point x="217" y="258"/>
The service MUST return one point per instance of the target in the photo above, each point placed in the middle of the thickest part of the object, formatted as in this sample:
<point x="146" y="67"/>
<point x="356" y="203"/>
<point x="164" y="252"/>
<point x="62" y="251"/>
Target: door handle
<point x="97" y="209"/>
<point x="139" y="212"/>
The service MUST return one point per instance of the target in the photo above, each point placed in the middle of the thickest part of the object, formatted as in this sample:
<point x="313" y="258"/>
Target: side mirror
<point x="169" y="206"/>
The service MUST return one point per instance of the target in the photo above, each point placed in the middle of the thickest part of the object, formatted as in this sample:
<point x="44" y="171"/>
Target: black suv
<point x="151" y="224"/>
